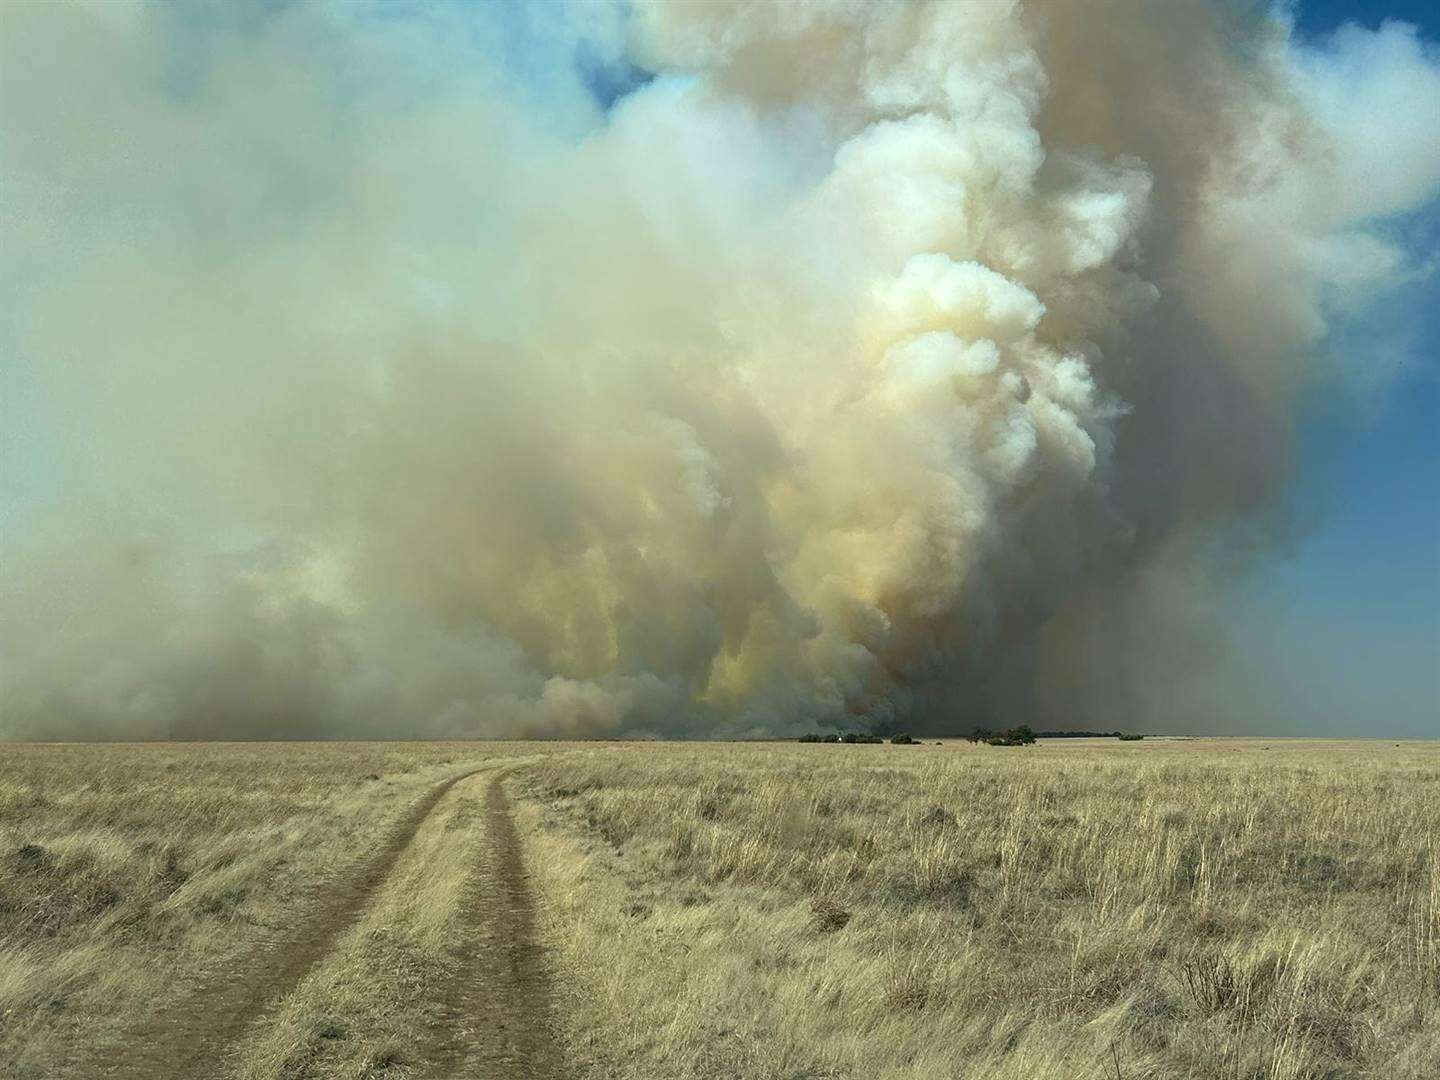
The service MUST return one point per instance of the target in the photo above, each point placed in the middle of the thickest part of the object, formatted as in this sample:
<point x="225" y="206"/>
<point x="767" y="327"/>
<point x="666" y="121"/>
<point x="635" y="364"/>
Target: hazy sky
<point x="550" y="368"/>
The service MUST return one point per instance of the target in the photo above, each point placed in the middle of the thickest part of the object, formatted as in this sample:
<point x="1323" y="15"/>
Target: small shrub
<point x="902" y="740"/>
<point x="1216" y="984"/>
<point x="1130" y="738"/>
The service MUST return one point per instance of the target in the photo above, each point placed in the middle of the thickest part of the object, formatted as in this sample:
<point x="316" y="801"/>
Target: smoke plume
<point x="683" y="369"/>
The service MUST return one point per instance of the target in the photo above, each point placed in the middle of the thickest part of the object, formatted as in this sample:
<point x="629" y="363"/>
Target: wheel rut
<point x="497" y="1020"/>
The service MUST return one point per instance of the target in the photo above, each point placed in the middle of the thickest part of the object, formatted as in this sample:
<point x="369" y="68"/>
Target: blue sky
<point x="1356" y="601"/>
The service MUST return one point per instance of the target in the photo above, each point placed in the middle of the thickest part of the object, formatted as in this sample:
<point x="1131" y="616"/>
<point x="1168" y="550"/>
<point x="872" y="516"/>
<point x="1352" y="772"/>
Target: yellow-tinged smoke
<point x="869" y="362"/>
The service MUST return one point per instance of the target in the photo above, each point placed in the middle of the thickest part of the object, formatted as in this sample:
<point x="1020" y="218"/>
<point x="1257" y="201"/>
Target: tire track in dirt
<point x="497" y="1018"/>
<point x="191" y="1045"/>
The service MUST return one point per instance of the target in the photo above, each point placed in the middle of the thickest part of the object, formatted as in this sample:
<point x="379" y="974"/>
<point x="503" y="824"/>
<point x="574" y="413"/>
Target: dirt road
<point x="493" y="1016"/>
<point x="497" y="1019"/>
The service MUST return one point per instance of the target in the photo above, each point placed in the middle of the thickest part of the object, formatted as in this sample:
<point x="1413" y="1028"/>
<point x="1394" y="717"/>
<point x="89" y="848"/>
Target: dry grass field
<point x="229" y="910"/>
<point x="1209" y="909"/>
<point x="1160" y="909"/>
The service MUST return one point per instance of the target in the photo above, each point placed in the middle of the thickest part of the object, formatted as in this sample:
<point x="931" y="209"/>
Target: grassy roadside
<point x="137" y="874"/>
<point x="1204" y="910"/>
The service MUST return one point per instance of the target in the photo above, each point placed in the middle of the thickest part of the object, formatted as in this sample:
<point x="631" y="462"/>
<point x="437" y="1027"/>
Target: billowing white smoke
<point x="880" y="361"/>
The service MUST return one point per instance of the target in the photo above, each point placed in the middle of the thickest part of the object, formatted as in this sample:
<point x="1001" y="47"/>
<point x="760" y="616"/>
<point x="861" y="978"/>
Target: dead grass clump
<point x="827" y="916"/>
<point x="711" y="802"/>
<point x="908" y="983"/>
<point x="381" y="1062"/>
<point x="1149" y="1014"/>
<point x="31" y="859"/>
<point x="938" y="870"/>
<point x="682" y="842"/>
<point x="739" y="858"/>
<point x="936" y="817"/>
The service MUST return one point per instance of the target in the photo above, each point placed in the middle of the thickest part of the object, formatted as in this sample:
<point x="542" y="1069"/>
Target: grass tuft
<point x="827" y="916"/>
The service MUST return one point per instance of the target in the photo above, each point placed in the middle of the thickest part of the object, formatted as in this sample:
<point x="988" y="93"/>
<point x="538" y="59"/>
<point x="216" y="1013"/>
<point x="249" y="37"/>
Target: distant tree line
<point x="899" y="738"/>
<point x="1078" y="735"/>
<point x="1016" y="736"/>
<point x="1023" y="736"/>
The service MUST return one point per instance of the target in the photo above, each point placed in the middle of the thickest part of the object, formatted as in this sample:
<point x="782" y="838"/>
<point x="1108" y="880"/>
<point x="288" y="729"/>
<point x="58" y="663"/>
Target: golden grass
<point x="1166" y="909"/>
<point x="355" y="1014"/>
<point x="1163" y="909"/>
<point x="135" y="875"/>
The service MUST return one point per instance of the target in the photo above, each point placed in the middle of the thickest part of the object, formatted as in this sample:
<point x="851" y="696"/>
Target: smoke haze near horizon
<point x="679" y="369"/>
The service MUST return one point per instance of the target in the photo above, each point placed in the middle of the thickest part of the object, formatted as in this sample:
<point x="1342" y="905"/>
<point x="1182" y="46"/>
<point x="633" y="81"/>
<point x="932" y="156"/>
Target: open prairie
<point x="1169" y="908"/>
